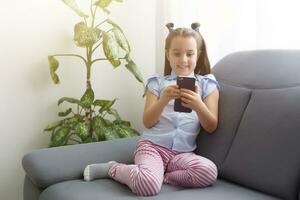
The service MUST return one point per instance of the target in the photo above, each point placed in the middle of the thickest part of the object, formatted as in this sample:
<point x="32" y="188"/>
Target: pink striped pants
<point x="155" y="165"/>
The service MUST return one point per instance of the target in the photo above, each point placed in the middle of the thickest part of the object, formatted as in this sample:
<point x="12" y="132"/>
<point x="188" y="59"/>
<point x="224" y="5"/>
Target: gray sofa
<point x="256" y="146"/>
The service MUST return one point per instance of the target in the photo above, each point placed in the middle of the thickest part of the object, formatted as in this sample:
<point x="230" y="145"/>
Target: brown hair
<point x="202" y="66"/>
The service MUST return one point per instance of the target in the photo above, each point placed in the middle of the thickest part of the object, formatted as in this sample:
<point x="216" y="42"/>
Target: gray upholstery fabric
<point x="30" y="191"/>
<point x="265" y="154"/>
<point x="48" y="166"/>
<point x="260" y="69"/>
<point x="232" y="103"/>
<point x="107" y="189"/>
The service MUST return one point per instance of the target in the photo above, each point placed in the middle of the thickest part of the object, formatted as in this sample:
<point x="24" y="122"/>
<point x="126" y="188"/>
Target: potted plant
<point x="86" y="120"/>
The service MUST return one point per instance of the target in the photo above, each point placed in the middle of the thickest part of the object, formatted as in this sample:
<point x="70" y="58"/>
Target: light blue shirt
<point x="177" y="130"/>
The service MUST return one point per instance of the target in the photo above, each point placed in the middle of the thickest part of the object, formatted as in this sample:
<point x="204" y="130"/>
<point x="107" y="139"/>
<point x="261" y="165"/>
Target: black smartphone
<point x="187" y="83"/>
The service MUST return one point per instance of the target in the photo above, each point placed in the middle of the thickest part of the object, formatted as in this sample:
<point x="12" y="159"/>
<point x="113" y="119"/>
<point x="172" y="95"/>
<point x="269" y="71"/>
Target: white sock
<point x="98" y="170"/>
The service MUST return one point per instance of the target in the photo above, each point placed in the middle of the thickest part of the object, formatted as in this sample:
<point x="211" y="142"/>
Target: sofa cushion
<point x="107" y="189"/>
<point x="238" y="73"/>
<point x="98" y="189"/>
<point x="45" y="167"/>
<point x="265" y="153"/>
<point x="260" y="69"/>
<point x="233" y="102"/>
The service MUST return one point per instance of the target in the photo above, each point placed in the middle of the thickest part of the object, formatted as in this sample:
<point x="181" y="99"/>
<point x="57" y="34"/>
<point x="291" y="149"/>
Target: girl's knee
<point x="146" y="184"/>
<point x="204" y="173"/>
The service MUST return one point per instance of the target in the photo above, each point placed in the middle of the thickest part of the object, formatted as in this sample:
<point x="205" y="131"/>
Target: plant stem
<point x="109" y="30"/>
<point x="98" y="60"/>
<point x="88" y="113"/>
<point x="93" y="12"/>
<point x="73" y="55"/>
<point x="96" y="47"/>
<point x="101" y="23"/>
<point x="88" y="65"/>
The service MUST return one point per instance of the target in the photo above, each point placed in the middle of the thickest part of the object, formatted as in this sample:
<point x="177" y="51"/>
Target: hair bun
<point x="170" y="26"/>
<point x="195" y="26"/>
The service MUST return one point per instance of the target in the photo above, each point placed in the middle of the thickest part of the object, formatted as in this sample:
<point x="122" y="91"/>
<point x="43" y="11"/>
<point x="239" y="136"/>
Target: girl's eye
<point x="190" y="54"/>
<point x="177" y="54"/>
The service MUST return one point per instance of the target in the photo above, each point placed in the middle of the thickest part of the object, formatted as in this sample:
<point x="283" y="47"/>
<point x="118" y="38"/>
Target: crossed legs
<point x="146" y="176"/>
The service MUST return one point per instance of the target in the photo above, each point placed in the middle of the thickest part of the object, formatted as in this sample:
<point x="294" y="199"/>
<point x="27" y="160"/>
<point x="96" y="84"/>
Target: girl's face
<point x="182" y="55"/>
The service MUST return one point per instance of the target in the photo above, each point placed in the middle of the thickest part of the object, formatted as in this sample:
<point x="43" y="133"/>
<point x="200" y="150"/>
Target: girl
<point x="165" y="152"/>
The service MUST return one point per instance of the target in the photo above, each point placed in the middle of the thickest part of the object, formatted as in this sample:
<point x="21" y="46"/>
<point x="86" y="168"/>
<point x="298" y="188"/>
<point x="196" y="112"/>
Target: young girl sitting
<point x="164" y="154"/>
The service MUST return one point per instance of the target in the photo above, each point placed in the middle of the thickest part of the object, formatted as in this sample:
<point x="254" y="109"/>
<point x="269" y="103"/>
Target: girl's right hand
<point x="170" y="92"/>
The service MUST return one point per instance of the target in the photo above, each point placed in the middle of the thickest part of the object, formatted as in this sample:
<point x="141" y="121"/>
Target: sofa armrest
<point x="45" y="167"/>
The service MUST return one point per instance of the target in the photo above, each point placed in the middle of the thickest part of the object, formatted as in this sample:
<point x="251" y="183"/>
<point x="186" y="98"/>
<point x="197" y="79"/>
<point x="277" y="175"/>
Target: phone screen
<point x="187" y="83"/>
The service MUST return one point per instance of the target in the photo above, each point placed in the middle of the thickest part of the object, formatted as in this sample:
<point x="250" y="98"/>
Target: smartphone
<point x="187" y="83"/>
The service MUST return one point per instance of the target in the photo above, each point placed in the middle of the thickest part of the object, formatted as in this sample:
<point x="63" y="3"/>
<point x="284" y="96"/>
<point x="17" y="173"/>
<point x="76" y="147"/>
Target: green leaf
<point x="100" y="102"/>
<point x="53" y="125"/>
<point x="85" y="36"/>
<point x="131" y="66"/>
<point x="111" y="134"/>
<point x="97" y="122"/>
<point x="122" y="133"/>
<point x="132" y="131"/>
<point x="65" y="113"/>
<point x="53" y="64"/>
<point x="60" y="137"/>
<point x="121" y="39"/>
<point x="73" y="5"/>
<point x="119" y="35"/>
<point x="73" y="120"/>
<point x="97" y="126"/>
<point x="81" y="130"/>
<point x="103" y="3"/>
<point x="108" y="122"/>
<point x="107" y="106"/>
<point x="111" y="49"/>
<point x="55" y="78"/>
<point x="87" y="99"/>
<point x="68" y="99"/>
<point x="122" y="122"/>
<point x="115" y="113"/>
<point x="89" y="140"/>
<point x="120" y="1"/>
<point x="103" y="129"/>
<point x="104" y="104"/>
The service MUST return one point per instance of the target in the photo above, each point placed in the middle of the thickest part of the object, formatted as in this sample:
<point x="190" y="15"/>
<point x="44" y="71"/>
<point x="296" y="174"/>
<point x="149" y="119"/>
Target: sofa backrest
<point x="257" y="143"/>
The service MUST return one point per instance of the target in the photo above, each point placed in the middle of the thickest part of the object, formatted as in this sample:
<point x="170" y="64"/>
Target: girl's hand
<point x="169" y="93"/>
<point x="191" y="99"/>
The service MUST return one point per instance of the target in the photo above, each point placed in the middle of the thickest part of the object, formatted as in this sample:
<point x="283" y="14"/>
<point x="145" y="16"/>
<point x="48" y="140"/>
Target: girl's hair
<point x="202" y="66"/>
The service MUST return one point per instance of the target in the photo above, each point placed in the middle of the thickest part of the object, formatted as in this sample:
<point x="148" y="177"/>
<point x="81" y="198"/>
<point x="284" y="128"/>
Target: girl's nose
<point x="184" y="58"/>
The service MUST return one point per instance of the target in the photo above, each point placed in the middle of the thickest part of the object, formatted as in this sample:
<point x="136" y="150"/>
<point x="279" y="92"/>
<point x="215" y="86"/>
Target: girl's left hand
<point x="191" y="99"/>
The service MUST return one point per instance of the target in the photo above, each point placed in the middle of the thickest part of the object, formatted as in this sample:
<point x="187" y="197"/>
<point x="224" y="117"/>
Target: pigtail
<point x="203" y="65"/>
<point x="170" y="26"/>
<point x="195" y="26"/>
<point x="168" y="69"/>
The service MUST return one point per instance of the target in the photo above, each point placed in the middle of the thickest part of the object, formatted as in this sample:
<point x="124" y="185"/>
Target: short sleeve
<point x="209" y="84"/>
<point x="154" y="85"/>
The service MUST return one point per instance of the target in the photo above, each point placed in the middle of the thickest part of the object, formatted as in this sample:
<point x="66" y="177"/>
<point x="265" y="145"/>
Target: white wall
<point x="31" y="30"/>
